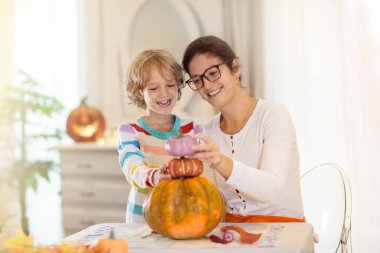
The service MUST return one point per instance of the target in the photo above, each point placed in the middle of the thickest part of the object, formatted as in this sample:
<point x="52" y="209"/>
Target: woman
<point x="251" y="144"/>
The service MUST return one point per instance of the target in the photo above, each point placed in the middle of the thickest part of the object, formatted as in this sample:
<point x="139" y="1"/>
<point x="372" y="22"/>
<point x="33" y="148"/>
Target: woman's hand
<point x="160" y="174"/>
<point x="208" y="151"/>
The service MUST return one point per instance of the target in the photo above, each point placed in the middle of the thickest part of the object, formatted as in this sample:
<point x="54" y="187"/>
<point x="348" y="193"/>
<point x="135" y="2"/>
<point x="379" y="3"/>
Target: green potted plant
<point x="26" y="109"/>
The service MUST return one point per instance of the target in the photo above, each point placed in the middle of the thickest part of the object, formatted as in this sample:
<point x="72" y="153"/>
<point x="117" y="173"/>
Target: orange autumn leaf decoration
<point x="245" y="237"/>
<point x="19" y="243"/>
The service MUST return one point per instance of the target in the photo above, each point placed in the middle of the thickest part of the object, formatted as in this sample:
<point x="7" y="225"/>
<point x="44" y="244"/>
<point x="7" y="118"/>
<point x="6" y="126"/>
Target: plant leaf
<point x="42" y="168"/>
<point x="32" y="182"/>
<point x="56" y="135"/>
<point x="20" y="104"/>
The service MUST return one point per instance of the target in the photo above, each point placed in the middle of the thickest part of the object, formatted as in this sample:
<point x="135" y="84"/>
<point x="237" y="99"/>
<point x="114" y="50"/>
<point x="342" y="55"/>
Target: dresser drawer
<point x="77" y="218"/>
<point x="99" y="191"/>
<point x="91" y="164"/>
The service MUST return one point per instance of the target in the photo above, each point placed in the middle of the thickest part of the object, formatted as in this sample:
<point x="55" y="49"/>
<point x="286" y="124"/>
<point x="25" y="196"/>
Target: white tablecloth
<point x="276" y="237"/>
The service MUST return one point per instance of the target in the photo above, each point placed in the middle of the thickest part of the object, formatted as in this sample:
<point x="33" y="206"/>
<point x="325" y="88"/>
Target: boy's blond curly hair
<point x="138" y="73"/>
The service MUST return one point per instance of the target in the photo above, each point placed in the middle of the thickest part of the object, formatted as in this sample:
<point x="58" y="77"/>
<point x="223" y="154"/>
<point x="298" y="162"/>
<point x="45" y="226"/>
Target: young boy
<point x="154" y="83"/>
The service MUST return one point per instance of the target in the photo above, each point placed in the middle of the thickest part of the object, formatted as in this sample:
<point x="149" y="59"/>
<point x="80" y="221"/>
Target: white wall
<point x="115" y="31"/>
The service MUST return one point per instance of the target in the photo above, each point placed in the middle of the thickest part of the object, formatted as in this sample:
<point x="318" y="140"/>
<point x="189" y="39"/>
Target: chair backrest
<point x="326" y="196"/>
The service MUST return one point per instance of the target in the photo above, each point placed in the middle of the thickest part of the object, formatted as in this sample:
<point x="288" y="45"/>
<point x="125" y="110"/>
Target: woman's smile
<point x="214" y="92"/>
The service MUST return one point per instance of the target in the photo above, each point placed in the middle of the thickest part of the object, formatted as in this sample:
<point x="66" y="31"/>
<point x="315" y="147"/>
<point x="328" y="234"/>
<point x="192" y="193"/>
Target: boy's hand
<point x="160" y="174"/>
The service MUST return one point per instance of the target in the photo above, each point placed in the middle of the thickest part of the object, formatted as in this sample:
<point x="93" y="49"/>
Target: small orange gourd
<point x="111" y="245"/>
<point x="85" y="123"/>
<point x="184" y="167"/>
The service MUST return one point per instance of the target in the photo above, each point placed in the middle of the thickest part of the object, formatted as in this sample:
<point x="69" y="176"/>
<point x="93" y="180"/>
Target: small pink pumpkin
<point x="180" y="145"/>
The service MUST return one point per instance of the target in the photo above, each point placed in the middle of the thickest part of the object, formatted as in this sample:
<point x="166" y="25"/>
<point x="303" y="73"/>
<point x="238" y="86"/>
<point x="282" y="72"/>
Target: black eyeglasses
<point x="211" y="74"/>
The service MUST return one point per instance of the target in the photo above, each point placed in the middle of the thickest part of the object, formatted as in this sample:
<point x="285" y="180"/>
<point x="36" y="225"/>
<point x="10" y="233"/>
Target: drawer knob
<point x="87" y="222"/>
<point x="84" y="166"/>
<point x="87" y="194"/>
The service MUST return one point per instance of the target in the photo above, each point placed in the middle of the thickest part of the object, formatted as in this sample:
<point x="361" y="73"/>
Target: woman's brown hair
<point x="209" y="45"/>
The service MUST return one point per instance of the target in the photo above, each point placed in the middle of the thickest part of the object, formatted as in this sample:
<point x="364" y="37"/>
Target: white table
<point x="276" y="237"/>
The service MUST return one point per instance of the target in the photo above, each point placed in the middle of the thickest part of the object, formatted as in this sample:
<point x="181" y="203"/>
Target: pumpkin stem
<point x="83" y="100"/>
<point x="112" y="235"/>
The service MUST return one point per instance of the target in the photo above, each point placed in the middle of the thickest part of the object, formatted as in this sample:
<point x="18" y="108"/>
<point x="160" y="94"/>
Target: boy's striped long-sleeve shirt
<point x="141" y="151"/>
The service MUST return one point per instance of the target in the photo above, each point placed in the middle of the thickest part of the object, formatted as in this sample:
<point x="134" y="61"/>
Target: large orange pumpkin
<point x="85" y="123"/>
<point x="184" y="208"/>
<point x="184" y="167"/>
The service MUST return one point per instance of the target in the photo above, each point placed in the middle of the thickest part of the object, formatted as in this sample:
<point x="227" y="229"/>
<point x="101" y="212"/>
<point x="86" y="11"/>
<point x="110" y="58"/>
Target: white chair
<point x="326" y="196"/>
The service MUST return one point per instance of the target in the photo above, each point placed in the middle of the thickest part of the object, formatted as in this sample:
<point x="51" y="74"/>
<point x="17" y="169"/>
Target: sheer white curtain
<point x="8" y="211"/>
<point x="45" y="45"/>
<point x="321" y="58"/>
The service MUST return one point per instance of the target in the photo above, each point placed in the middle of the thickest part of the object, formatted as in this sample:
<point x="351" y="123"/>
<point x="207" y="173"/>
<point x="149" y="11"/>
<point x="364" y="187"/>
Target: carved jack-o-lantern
<point x="85" y="123"/>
